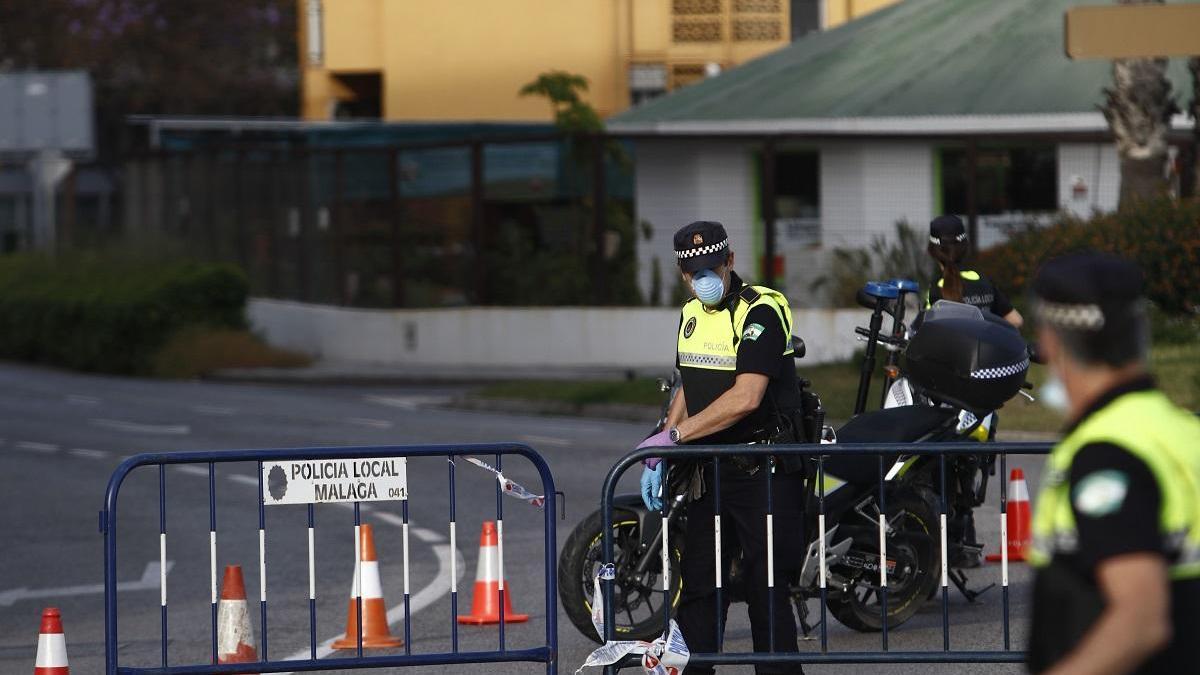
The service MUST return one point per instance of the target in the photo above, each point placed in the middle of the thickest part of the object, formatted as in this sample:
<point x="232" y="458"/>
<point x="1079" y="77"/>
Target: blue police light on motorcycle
<point x="905" y="285"/>
<point x="880" y="289"/>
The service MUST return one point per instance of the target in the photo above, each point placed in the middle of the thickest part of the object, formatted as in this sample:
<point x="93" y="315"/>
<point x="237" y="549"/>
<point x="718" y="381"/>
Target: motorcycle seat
<point x="894" y="425"/>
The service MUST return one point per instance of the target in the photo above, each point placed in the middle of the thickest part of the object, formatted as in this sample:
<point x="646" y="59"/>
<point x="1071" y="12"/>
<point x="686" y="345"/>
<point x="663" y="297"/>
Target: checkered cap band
<point x="1071" y="316"/>
<point x="1002" y="371"/>
<point x="961" y="236"/>
<point x="703" y="250"/>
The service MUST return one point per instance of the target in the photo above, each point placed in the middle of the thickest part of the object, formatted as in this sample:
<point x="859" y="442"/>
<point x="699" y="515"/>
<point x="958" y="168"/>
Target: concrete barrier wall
<point x="508" y="337"/>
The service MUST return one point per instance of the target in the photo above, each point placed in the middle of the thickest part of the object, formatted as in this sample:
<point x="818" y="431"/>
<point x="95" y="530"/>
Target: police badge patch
<point x="753" y="331"/>
<point x="689" y="328"/>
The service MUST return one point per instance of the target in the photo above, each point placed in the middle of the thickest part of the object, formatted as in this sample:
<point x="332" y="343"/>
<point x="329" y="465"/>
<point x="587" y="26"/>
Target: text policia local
<point x="359" y="468"/>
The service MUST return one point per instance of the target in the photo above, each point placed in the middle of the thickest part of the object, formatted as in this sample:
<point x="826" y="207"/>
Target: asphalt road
<point x="62" y="434"/>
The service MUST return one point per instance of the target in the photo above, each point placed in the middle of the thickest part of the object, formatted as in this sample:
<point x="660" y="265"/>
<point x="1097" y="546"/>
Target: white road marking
<point x="192" y="470"/>
<point x="32" y="446"/>
<point x="79" y="399"/>
<point x="408" y="402"/>
<point x="577" y="429"/>
<point x="367" y="422"/>
<point x="213" y="410"/>
<point x="426" y="596"/>
<point x="546" y="440"/>
<point x="134" y="427"/>
<point x="87" y="454"/>
<point x="150" y="580"/>
<point x="243" y="479"/>
<point x="427" y="536"/>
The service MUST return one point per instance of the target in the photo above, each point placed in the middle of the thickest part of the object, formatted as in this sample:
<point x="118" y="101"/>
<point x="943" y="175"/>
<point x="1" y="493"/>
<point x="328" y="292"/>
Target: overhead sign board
<point x="1132" y="31"/>
<point x="325" y="481"/>
<point x="46" y="111"/>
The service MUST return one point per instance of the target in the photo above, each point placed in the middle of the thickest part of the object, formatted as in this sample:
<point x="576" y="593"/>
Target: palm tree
<point x="1138" y="108"/>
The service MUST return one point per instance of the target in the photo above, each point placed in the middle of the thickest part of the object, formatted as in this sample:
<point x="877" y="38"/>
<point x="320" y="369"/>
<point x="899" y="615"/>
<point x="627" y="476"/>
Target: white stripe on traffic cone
<point x="52" y="645"/>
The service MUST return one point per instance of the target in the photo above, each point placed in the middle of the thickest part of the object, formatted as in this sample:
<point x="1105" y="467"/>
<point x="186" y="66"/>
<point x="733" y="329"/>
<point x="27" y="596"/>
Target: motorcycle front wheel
<point x="637" y="598"/>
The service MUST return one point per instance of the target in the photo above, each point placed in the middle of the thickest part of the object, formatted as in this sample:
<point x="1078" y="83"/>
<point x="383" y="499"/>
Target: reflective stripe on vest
<point x="708" y="339"/>
<point x="1163" y="436"/>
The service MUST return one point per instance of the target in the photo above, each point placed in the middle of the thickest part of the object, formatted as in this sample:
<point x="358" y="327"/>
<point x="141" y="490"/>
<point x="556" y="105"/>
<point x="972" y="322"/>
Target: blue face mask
<point x="709" y="287"/>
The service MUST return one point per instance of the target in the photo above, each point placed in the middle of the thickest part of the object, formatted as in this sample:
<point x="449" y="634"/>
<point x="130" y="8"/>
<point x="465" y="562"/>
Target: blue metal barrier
<point x="819" y="454"/>
<point x="547" y="654"/>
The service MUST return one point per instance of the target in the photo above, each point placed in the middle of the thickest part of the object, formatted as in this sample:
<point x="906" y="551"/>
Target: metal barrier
<point x="820" y="454"/>
<point x="547" y="653"/>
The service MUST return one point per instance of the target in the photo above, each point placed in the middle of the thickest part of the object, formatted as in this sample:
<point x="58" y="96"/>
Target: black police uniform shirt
<point x="763" y="355"/>
<point x="1067" y="599"/>
<point x="980" y="292"/>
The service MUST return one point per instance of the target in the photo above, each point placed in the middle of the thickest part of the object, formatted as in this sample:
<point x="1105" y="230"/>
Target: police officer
<point x="948" y="246"/>
<point x="1117" y="522"/>
<point x="734" y="354"/>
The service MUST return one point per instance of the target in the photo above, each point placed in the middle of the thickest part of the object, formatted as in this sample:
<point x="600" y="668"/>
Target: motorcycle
<point x="944" y="404"/>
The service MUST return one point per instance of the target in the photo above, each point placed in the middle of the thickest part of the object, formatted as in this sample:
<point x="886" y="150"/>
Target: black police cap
<point x="1087" y="291"/>
<point x="946" y="229"/>
<point x="701" y="245"/>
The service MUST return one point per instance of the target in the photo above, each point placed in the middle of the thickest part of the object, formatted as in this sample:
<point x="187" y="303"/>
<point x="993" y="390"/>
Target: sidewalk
<point x="350" y="372"/>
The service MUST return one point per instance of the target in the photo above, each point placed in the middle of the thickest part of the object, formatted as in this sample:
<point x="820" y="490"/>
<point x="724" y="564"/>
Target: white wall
<point x="512" y="337"/>
<point x="678" y="182"/>
<point x="1098" y="166"/>
<point x="866" y="186"/>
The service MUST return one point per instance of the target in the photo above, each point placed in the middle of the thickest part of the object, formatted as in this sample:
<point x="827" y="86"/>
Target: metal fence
<point x="819" y="456"/>
<point x="546" y="653"/>
<point x="482" y="221"/>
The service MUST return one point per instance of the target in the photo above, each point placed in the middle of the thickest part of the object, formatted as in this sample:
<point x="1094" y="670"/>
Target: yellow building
<point x="458" y="60"/>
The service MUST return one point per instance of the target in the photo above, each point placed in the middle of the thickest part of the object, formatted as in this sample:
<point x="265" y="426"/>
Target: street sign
<point x="335" y="480"/>
<point x="1132" y="31"/>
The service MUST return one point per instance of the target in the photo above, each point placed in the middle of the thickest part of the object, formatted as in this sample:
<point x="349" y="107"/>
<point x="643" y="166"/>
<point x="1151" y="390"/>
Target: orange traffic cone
<point x="52" y="645"/>
<point x="484" y="607"/>
<point x="375" y="633"/>
<point x="235" y="636"/>
<point x="1018" y="520"/>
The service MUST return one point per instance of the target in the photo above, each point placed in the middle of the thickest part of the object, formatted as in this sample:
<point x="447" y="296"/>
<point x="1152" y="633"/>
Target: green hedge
<point x="1161" y="236"/>
<point x="109" y="314"/>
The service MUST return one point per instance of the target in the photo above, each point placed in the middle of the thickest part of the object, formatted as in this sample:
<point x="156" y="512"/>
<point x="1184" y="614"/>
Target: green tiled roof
<point x="918" y="57"/>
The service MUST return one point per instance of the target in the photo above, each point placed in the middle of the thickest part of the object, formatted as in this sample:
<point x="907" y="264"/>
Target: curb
<point x="624" y="412"/>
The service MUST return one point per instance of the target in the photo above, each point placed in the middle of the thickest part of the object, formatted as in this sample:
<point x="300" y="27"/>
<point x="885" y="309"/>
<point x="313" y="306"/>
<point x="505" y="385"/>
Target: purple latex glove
<point x="661" y="439"/>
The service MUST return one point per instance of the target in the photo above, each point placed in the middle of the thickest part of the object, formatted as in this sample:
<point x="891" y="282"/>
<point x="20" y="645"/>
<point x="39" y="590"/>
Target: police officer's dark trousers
<point x="743" y="529"/>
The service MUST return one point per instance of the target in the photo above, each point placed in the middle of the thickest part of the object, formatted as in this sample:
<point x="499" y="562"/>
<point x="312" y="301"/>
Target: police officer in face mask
<point x="1117" y="522"/>
<point x="734" y="354"/>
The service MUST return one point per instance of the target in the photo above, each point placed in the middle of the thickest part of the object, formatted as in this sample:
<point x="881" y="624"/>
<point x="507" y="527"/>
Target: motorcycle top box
<point x="964" y="358"/>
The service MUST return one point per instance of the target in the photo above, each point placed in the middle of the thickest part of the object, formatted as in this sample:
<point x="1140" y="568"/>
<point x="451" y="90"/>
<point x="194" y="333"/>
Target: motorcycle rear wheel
<point x="915" y="542"/>
<point x="637" y="603"/>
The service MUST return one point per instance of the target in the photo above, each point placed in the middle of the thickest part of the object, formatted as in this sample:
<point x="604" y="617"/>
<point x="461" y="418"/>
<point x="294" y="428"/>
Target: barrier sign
<point x="335" y="480"/>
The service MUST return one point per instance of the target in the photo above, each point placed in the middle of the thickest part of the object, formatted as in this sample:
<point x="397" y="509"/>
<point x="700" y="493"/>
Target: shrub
<point x="1161" y="236"/>
<point x="902" y="256"/>
<point x="109" y="314"/>
<point x="197" y="351"/>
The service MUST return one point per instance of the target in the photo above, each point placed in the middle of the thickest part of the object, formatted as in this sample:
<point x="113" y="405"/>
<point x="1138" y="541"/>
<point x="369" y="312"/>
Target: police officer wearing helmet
<point x="948" y="246"/>
<point x="1117" y="522"/>
<point x="735" y="357"/>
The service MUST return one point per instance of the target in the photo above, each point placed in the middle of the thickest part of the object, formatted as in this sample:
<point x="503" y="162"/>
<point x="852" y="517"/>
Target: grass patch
<point x="642" y="391"/>
<point x="200" y="351"/>
<point x="1176" y="366"/>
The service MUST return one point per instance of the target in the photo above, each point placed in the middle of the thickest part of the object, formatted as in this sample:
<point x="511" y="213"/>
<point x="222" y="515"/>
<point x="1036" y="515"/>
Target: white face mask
<point x="1053" y="394"/>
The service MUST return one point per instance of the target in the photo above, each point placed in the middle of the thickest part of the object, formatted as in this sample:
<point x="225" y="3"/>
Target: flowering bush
<point x="1161" y="236"/>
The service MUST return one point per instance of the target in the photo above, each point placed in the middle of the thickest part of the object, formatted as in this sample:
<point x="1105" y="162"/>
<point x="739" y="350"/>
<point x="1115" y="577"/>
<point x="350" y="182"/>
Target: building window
<point x="646" y="81"/>
<point x="798" y="197"/>
<point x="757" y="30"/>
<point x="805" y="17"/>
<point x="1009" y="179"/>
